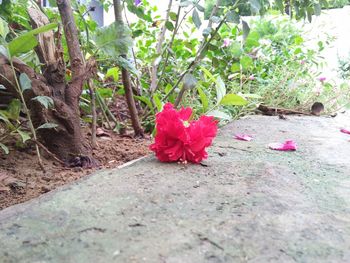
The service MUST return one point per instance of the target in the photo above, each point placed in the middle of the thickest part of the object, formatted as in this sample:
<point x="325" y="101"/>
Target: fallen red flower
<point x="177" y="139"/>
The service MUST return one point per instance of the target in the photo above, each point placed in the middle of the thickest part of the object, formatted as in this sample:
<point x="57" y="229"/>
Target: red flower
<point x="180" y="140"/>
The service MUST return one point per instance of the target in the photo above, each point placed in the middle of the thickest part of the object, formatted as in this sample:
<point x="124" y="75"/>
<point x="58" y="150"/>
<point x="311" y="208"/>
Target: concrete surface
<point x="246" y="203"/>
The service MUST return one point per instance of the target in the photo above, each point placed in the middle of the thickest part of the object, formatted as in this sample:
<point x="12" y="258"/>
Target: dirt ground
<point x="22" y="179"/>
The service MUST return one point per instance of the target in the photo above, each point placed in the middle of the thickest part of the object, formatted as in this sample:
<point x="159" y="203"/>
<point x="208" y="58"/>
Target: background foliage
<point x="223" y="67"/>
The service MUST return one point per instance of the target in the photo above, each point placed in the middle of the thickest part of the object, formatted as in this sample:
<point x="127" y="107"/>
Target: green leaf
<point x="114" y="40"/>
<point x="185" y="3"/>
<point x="25" y="82"/>
<point x="137" y="33"/>
<point x="124" y="63"/>
<point x="280" y="5"/>
<point x="52" y="3"/>
<point x="250" y="95"/>
<point x="219" y="114"/>
<point x="317" y="8"/>
<point x="235" y="67"/>
<point x="189" y="81"/>
<point x="48" y="125"/>
<point x="309" y="12"/>
<point x="215" y="19"/>
<point x="206" y="31"/>
<point x="233" y="99"/>
<point x="252" y="40"/>
<point x="158" y="102"/>
<point x="199" y="7"/>
<point x="236" y="49"/>
<point x="246" y="29"/>
<point x="220" y="89"/>
<point x="196" y="19"/>
<point x="147" y="101"/>
<point x="4" y="29"/>
<point x="233" y="17"/>
<point x="246" y="62"/>
<point x="204" y="99"/>
<point x="4" y="148"/>
<point x="167" y="89"/>
<point x="169" y="25"/>
<point x="14" y="110"/>
<point x="22" y="44"/>
<point x="173" y="16"/>
<point x="4" y="118"/>
<point x="25" y="136"/>
<point x="220" y="85"/>
<point x="27" y="41"/>
<point x="298" y="40"/>
<point x="45" y="101"/>
<point x="41" y="29"/>
<point x="113" y="73"/>
<point x="105" y="92"/>
<point x="208" y="74"/>
<point x="255" y="6"/>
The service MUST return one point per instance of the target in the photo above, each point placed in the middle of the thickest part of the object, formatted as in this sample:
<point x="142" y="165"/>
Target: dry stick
<point x="92" y="91"/>
<point x="126" y="80"/>
<point x="91" y="87"/>
<point x="28" y="114"/>
<point x="161" y="38"/>
<point x="179" y="97"/>
<point x="281" y="110"/>
<point x="48" y="152"/>
<point x="104" y="109"/>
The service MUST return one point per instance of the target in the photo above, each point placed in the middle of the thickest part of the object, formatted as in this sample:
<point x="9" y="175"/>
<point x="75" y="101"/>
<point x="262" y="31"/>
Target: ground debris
<point x="210" y="241"/>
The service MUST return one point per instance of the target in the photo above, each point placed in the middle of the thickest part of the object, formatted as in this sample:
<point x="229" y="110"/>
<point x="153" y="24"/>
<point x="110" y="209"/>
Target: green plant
<point x="344" y="67"/>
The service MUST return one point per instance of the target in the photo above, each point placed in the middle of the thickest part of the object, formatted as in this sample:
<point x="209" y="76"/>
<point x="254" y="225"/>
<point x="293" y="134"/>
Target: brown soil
<point x="22" y="179"/>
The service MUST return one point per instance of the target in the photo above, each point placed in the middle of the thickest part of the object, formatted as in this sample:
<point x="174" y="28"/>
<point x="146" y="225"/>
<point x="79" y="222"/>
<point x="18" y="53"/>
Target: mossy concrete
<point x="246" y="203"/>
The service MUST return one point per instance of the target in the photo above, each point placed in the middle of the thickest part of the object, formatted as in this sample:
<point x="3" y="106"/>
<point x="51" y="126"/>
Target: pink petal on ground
<point x="243" y="137"/>
<point x="286" y="146"/>
<point x="345" y="131"/>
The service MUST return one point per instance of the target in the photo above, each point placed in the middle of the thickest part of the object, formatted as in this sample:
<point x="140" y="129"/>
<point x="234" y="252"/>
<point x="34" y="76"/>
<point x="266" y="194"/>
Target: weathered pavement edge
<point x="248" y="204"/>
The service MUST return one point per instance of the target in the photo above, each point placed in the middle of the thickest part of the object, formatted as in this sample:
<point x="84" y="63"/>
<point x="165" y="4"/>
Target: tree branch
<point x="126" y="80"/>
<point x="75" y="56"/>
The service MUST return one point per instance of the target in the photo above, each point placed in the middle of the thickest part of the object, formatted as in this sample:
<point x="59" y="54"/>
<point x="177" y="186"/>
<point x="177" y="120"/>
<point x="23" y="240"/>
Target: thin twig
<point x="196" y="60"/>
<point x="161" y="38"/>
<point x="27" y="112"/>
<point x="48" y="152"/>
<point x="177" y="27"/>
<point x="104" y="109"/>
<point x="92" y="92"/>
<point x="139" y="89"/>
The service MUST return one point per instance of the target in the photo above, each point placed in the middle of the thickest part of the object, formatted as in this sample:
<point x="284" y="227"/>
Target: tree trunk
<point x="66" y="141"/>
<point x="126" y="80"/>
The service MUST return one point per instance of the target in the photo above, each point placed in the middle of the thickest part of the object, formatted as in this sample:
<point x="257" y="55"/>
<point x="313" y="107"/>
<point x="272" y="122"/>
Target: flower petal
<point x="345" y="131"/>
<point x="177" y="139"/>
<point x="286" y="146"/>
<point x="243" y="137"/>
